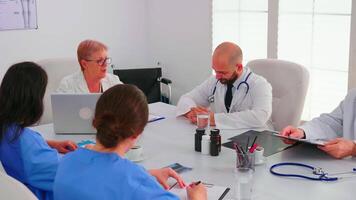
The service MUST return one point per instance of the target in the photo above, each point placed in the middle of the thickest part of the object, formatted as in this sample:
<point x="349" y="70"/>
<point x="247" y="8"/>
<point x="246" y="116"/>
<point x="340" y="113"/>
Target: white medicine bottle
<point x="205" y="145"/>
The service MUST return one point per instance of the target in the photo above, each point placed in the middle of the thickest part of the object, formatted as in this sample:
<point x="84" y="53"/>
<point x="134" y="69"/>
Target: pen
<point x="253" y="146"/>
<point x="173" y="185"/>
<point x="156" y="119"/>
<point x="197" y="183"/>
<point x="248" y="141"/>
<point x="254" y="140"/>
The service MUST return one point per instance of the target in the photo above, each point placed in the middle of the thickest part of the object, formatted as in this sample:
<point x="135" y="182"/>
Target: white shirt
<point x="75" y="83"/>
<point x="248" y="110"/>
<point x="341" y="122"/>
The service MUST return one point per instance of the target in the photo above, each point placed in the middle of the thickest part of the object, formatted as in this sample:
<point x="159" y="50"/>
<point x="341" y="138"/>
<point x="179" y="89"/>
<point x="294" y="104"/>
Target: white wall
<point x="63" y="24"/>
<point x="138" y="33"/>
<point x="179" y="36"/>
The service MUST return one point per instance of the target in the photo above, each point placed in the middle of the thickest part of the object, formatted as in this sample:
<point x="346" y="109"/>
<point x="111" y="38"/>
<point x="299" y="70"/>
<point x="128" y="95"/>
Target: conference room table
<point x="171" y="140"/>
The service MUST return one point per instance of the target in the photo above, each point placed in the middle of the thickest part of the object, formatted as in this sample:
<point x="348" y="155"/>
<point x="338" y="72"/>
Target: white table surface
<point x="172" y="140"/>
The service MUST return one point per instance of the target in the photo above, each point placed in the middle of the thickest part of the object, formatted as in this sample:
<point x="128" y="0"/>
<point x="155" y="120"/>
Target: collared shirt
<point x="249" y="109"/>
<point x="75" y="83"/>
<point x="30" y="160"/>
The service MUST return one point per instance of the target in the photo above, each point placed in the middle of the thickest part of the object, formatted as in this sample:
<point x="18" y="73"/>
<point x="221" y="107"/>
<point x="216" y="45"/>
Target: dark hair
<point x="121" y="112"/>
<point x="21" y="96"/>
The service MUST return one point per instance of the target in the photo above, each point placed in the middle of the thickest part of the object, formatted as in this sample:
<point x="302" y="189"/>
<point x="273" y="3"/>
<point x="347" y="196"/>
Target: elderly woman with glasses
<point x="93" y="77"/>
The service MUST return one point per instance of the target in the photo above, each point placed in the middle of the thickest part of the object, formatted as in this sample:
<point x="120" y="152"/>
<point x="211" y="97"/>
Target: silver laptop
<point x="73" y="113"/>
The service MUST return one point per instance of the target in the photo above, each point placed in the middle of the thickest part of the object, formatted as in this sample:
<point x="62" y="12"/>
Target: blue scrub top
<point x="30" y="160"/>
<point x="88" y="174"/>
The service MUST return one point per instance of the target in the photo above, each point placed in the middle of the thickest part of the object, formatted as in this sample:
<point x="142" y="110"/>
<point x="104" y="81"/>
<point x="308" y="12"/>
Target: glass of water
<point x="244" y="175"/>
<point x="203" y="120"/>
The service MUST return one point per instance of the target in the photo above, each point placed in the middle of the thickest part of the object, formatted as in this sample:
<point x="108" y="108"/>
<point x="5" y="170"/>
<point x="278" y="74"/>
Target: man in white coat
<point x="235" y="97"/>
<point x="339" y="127"/>
<point x="92" y="77"/>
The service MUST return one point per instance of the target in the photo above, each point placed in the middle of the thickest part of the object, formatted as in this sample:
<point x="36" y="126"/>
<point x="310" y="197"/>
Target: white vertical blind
<point x="314" y="33"/>
<point x="243" y="22"/>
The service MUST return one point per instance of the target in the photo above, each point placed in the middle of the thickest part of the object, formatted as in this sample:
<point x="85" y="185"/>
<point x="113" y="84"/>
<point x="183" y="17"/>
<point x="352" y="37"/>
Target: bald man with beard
<point x="235" y="97"/>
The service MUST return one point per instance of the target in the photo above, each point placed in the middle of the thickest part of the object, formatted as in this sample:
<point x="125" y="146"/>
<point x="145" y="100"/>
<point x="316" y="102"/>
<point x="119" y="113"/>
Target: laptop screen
<point x="73" y="113"/>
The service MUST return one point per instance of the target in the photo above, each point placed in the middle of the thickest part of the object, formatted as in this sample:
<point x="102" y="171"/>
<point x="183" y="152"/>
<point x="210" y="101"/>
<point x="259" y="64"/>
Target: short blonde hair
<point x="87" y="47"/>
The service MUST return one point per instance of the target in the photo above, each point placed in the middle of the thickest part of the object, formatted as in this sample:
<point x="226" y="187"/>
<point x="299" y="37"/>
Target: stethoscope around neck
<point x="318" y="174"/>
<point x="211" y="98"/>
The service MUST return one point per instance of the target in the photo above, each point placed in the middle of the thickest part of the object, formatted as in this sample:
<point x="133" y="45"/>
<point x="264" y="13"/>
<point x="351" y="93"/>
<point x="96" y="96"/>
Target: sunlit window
<point x="314" y="33"/>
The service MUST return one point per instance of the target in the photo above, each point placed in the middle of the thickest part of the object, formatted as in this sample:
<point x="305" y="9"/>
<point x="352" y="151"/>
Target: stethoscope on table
<point x="211" y="98"/>
<point x="318" y="173"/>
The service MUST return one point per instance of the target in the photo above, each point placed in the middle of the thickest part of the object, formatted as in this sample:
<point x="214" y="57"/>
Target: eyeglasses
<point x="101" y="62"/>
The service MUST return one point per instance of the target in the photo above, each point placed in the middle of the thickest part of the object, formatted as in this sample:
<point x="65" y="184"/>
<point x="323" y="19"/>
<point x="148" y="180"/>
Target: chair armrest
<point x="166" y="81"/>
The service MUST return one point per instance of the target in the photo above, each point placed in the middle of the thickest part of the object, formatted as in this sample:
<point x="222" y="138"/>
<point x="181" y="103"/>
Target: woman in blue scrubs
<point x="24" y="154"/>
<point x="102" y="172"/>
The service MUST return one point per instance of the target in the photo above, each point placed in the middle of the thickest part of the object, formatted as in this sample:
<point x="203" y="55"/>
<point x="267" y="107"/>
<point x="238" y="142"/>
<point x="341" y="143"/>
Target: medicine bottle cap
<point x="215" y="131"/>
<point x="200" y="131"/>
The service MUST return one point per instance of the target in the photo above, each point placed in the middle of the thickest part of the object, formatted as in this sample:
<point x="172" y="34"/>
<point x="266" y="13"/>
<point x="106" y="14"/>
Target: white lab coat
<point x="251" y="110"/>
<point x="75" y="83"/>
<point x="341" y="122"/>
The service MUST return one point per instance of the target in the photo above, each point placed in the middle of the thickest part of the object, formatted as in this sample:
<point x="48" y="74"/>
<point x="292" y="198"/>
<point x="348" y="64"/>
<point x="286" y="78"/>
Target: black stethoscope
<point x="211" y="98"/>
<point x="318" y="172"/>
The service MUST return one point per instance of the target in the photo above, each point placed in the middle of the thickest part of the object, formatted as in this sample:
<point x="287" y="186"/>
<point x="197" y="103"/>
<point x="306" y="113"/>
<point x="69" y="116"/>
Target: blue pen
<point x="156" y="119"/>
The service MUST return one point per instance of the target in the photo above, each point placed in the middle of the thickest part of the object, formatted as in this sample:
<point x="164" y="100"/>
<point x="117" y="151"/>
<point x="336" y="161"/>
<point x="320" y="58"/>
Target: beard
<point x="231" y="80"/>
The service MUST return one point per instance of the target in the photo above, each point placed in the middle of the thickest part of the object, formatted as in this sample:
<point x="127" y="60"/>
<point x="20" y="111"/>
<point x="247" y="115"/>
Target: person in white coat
<point x="93" y="77"/>
<point x="339" y="127"/>
<point x="235" y="97"/>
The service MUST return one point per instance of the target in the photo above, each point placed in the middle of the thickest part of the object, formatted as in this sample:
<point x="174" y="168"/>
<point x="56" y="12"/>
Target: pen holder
<point x="245" y="160"/>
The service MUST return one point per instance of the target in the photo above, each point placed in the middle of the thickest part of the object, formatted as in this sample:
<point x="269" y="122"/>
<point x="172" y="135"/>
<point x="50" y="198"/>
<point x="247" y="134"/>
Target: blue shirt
<point x="30" y="160"/>
<point x="87" y="174"/>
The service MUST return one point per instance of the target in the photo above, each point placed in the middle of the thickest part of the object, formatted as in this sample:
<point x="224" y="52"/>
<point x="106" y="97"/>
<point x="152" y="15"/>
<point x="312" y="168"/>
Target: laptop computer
<point x="73" y="113"/>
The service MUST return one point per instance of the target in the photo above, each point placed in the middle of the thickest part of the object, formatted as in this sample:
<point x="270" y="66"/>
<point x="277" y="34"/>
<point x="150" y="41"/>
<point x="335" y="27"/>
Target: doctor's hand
<point x="191" y="116"/>
<point x="196" y="192"/>
<point x="292" y="132"/>
<point x="339" y="148"/>
<point x="163" y="174"/>
<point x="64" y="146"/>
<point x="194" y="111"/>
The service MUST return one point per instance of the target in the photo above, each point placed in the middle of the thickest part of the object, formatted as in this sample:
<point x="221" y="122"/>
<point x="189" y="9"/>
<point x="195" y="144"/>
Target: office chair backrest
<point x="2" y="168"/>
<point x="56" y="69"/>
<point x="11" y="188"/>
<point x="147" y="79"/>
<point x="289" y="87"/>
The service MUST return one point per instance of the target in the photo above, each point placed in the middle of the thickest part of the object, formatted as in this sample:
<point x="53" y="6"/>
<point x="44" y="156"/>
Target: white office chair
<point x="289" y="86"/>
<point x="56" y="69"/>
<point x="2" y="168"/>
<point x="11" y="188"/>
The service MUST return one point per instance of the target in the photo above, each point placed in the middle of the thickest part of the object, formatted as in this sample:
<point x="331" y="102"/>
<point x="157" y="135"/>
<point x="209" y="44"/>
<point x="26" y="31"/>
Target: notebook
<point x="73" y="113"/>
<point x="215" y="192"/>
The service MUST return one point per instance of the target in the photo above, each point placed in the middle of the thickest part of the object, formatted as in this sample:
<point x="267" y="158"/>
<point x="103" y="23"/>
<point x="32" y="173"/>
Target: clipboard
<point x="318" y="141"/>
<point x="269" y="142"/>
